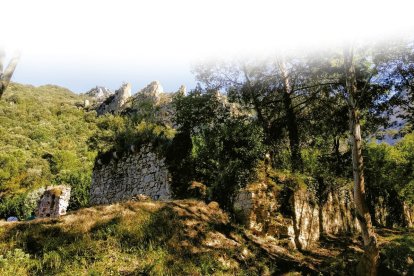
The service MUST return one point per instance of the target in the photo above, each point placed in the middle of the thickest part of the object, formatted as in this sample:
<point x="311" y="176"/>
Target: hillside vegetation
<point x="289" y="118"/>
<point x="43" y="141"/>
<point x="184" y="237"/>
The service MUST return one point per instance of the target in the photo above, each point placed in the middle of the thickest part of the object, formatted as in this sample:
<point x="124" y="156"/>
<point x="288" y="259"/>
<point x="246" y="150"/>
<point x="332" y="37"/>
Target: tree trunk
<point x="369" y="261"/>
<point x="337" y="155"/>
<point x="5" y="76"/>
<point x="292" y="125"/>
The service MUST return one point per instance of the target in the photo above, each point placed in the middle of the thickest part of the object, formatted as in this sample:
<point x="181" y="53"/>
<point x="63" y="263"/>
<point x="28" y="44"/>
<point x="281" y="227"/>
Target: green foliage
<point x="216" y="148"/>
<point x="16" y="262"/>
<point x="398" y="255"/>
<point x="118" y="134"/>
<point x="392" y="167"/>
<point x="389" y="174"/>
<point x="43" y="138"/>
<point x="181" y="163"/>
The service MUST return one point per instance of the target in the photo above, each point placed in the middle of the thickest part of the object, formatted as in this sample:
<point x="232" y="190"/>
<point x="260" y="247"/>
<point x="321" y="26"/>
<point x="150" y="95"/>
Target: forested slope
<point x="43" y="141"/>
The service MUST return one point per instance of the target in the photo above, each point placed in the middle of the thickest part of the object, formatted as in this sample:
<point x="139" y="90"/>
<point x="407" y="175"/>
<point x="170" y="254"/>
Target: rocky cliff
<point x="295" y="216"/>
<point x="115" y="102"/>
<point x="99" y="93"/>
<point x="150" y="93"/>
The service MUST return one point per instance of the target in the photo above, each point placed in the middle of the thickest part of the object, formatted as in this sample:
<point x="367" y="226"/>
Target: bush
<point x="16" y="262"/>
<point x="398" y="256"/>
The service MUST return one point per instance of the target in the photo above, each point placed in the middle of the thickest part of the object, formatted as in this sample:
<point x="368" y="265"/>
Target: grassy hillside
<point x="133" y="238"/>
<point x="185" y="237"/>
<point x="43" y="141"/>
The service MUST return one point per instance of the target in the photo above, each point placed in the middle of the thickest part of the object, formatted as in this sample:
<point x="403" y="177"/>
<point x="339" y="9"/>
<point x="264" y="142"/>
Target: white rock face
<point x="151" y="93"/>
<point x="54" y="202"/>
<point x="114" y="103"/>
<point x="182" y="90"/>
<point x="100" y="93"/>
<point x="137" y="173"/>
<point x="154" y="88"/>
<point x="122" y="94"/>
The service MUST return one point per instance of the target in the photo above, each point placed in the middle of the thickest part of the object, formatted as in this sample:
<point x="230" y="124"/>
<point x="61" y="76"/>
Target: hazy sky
<point x="79" y="44"/>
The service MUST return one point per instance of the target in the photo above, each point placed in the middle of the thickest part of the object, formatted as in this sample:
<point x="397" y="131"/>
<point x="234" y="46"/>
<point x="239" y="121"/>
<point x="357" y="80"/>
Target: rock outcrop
<point x="115" y="102"/>
<point x="152" y="90"/>
<point x="53" y="202"/>
<point x="149" y="95"/>
<point x="409" y="214"/>
<point x="391" y="212"/>
<point x="136" y="173"/>
<point x="295" y="216"/>
<point x="182" y="90"/>
<point x="99" y="93"/>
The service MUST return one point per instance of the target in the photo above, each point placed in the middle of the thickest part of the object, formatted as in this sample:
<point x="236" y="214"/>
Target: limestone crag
<point x="115" y="102"/>
<point x="336" y="214"/>
<point x="258" y="207"/>
<point x="53" y="202"/>
<point x="154" y="89"/>
<point x="295" y="217"/>
<point x="409" y="214"/>
<point x="391" y="212"/>
<point x="137" y="173"/>
<point x="99" y="93"/>
<point x="182" y="90"/>
<point x="150" y="94"/>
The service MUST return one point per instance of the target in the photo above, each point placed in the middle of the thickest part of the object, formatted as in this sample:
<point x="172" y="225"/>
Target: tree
<point x="369" y="261"/>
<point x="216" y="144"/>
<point x="399" y="63"/>
<point x="277" y="90"/>
<point x="5" y="76"/>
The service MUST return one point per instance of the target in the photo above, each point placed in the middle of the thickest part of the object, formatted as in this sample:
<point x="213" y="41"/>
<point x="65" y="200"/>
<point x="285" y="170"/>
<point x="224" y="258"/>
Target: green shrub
<point x="43" y="139"/>
<point x="16" y="262"/>
<point x="398" y="255"/>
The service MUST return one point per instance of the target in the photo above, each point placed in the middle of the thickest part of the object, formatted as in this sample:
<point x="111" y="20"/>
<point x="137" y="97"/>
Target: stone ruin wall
<point x="53" y="202"/>
<point x="142" y="172"/>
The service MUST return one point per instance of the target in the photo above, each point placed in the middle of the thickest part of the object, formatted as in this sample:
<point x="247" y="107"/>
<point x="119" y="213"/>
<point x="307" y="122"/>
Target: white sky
<point x="79" y="44"/>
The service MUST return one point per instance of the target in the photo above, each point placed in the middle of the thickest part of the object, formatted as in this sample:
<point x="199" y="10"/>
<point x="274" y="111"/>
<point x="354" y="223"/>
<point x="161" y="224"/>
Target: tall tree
<point x="291" y="119"/>
<point x="369" y="261"/>
<point x="5" y="76"/>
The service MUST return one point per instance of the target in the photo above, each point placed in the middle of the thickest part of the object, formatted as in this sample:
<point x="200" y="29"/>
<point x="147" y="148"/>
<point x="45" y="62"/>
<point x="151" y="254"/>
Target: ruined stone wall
<point x="53" y="202"/>
<point x="141" y="172"/>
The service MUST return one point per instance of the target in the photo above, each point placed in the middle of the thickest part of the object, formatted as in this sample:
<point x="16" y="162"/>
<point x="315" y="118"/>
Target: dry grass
<point x="185" y="237"/>
<point x="157" y="238"/>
